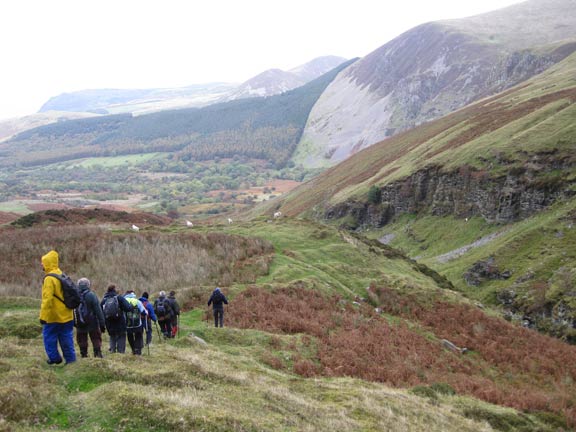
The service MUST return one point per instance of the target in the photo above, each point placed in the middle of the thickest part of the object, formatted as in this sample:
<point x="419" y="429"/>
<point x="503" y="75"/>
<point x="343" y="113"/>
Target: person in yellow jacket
<point x="56" y="319"/>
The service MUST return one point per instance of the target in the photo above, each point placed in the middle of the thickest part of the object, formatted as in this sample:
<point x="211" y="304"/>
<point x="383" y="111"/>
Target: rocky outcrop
<point x="464" y="193"/>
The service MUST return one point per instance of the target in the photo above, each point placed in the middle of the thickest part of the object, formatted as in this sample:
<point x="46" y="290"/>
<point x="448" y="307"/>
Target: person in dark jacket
<point x="92" y="322"/>
<point x="164" y="312"/>
<point x="218" y="300"/>
<point x="176" y="312"/>
<point x="151" y="317"/>
<point x="115" y="322"/>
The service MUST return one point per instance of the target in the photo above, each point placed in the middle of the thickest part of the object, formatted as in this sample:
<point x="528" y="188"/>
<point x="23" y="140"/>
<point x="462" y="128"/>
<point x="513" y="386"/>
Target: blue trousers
<point x="59" y="333"/>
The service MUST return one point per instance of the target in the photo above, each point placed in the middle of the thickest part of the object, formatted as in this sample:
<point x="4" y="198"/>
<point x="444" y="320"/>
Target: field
<point x="325" y="330"/>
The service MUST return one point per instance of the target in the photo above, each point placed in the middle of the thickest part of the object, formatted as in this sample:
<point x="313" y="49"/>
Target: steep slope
<point x="432" y="70"/>
<point x="485" y="195"/>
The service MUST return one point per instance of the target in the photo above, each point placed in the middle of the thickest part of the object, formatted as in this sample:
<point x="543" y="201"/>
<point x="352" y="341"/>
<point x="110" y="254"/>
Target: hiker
<point x="164" y="313"/>
<point x="135" y="319"/>
<point x="151" y="316"/>
<point x="176" y="312"/>
<point x="56" y="319"/>
<point x="218" y="299"/>
<point x="89" y="320"/>
<point x="114" y="305"/>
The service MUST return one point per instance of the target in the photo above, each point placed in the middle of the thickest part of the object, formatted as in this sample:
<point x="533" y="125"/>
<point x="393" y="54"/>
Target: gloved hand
<point x="42" y="322"/>
<point x="103" y="329"/>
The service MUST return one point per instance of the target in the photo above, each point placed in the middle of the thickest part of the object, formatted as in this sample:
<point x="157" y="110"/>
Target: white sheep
<point x="189" y="224"/>
<point x="277" y="214"/>
<point x="229" y="221"/>
<point x="135" y="228"/>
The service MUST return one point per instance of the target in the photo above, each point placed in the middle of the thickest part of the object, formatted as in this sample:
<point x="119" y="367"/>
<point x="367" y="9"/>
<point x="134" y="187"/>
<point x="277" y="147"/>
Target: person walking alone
<point x="56" y="319"/>
<point x="218" y="300"/>
<point x="89" y="320"/>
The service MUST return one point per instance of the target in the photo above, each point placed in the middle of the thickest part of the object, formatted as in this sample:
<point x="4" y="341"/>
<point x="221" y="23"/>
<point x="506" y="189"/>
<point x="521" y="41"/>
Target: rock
<point x="485" y="270"/>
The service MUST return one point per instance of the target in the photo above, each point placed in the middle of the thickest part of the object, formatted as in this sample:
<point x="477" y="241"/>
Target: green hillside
<point x="484" y="196"/>
<point x="263" y="128"/>
<point x="325" y="330"/>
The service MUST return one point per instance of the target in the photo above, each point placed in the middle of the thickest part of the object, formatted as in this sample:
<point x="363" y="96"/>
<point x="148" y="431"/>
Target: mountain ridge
<point x="429" y="71"/>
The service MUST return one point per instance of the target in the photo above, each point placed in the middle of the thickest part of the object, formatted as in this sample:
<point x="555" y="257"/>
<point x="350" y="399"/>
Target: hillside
<point x="324" y="330"/>
<point x="432" y="70"/>
<point x="265" y="128"/>
<point x="502" y="166"/>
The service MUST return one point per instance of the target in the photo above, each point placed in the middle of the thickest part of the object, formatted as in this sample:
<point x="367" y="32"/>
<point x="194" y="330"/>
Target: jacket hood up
<point x="50" y="262"/>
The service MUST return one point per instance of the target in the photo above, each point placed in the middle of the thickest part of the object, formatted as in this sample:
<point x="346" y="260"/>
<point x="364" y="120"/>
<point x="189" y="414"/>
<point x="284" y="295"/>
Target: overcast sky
<point x="49" y="47"/>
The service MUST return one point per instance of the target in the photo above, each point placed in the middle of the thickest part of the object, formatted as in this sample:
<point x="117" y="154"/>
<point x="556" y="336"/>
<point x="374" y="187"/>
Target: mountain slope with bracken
<point x="432" y="70"/>
<point x="485" y="195"/>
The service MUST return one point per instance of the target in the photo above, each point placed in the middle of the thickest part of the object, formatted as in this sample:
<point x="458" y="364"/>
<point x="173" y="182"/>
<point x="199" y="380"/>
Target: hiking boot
<point x="98" y="353"/>
<point x="53" y="362"/>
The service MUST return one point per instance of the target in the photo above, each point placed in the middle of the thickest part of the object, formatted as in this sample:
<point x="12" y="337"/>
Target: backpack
<point x="83" y="315"/>
<point x="161" y="310"/>
<point x="217" y="297"/>
<point x="133" y="319"/>
<point x="71" y="294"/>
<point x="111" y="308"/>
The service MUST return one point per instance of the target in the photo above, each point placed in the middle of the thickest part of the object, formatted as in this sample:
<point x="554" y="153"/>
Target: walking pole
<point x="158" y="329"/>
<point x="146" y="328"/>
<point x="178" y="326"/>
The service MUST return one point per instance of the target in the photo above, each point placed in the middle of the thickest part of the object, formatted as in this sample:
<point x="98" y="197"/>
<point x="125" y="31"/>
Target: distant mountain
<point x="432" y="70"/>
<point x="138" y="101"/>
<point x="263" y="128"/>
<point x="276" y="81"/>
<point x="142" y="101"/>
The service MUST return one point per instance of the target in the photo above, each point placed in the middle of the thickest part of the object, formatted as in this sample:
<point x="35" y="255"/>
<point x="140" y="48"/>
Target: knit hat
<point x="84" y="283"/>
<point x="145" y="294"/>
<point x="162" y="294"/>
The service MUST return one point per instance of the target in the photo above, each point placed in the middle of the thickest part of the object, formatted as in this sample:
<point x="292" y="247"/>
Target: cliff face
<point x="463" y="193"/>
<point x="432" y="70"/>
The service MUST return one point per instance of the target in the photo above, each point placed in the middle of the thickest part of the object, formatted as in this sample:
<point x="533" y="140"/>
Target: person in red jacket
<point x="56" y="319"/>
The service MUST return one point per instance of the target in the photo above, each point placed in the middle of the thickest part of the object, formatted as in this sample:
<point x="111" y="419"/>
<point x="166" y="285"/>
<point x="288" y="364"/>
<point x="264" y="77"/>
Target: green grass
<point x="113" y="161"/>
<point x="14" y="207"/>
<point x="221" y="386"/>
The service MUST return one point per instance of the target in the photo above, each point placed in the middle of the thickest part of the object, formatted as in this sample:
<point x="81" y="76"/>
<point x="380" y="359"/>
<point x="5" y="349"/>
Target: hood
<point x="143" y="299"/>
<point x="50" y="261"/>
<point x="131" y="295"/>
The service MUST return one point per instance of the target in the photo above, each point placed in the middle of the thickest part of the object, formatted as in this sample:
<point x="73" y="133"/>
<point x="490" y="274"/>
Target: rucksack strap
<point x="59" y="277"/>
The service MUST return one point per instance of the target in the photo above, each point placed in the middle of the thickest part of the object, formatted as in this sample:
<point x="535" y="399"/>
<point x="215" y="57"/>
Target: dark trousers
<point x="148" y="330"/>
<point x="218" y="317"/>
<point x="136" y="341"/>
<point x="166" y="327"/>
<point x="62" y="334"/>
<point x="82" y="339"/>
<point x="117" y="342"/>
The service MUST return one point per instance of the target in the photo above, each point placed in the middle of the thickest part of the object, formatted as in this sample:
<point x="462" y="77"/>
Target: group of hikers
<point x="122" y="316"/>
